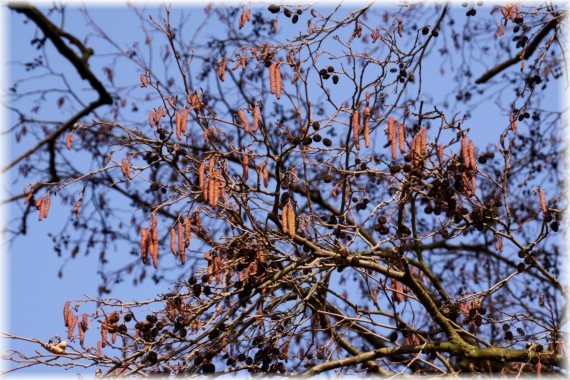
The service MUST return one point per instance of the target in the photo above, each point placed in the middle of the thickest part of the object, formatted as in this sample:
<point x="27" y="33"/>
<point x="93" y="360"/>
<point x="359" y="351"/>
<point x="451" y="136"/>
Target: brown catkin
<point x="151" y="119"/>
<point x="72" y="322"/>
<point x="187" y="231"/>
<point x="285" y="219"/>
<point x="265" y="175"/>
<point x="178" y="123"/>
<point x="114" y="336"/>
<point x="473" y="185"/>
<point x="173" y="241"/>
<point x="201" y="171"/>
<point x="84" y="322"/>
<point x="243" y="119"/>
<point x="513" y="120"/>
<point x="402" y="137"/>
<point x="46" y="206"/>
<point x="416" y="146"/>
<point x="103" y="334"/>
<point x="184" y="120"/>
<point x="222" y="69"/>
<point x="65" y="315"/>
<point x="440" y="154"/>
<point x="272" y="78"/>
<point x="423" y="142"/>
<point x="464" y="152"/>
<point x="392" y="136"/>
<point x="259" y="171"/>
<point x="126" y="168"/>
<point x="99" y="349"/>
<point x="181" y="246"/>
<point x="366" y="121"/>
<point x="471" y="151"/>
<point x="291" y="221"/>
<point x="81" y="334"/>
<point x="542" y="201"/>
<point x="397" y="291"/>
<point x="69" y="140"/>
<point x="245" y="164"/>
<point x="255" y="119"/>
<point x="144" y="244"/>
<point x="355" y="122"/>
<point x="278" y="84"/>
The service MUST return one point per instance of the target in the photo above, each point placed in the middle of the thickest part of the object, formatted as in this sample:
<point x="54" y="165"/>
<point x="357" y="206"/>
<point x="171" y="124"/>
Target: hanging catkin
<point x="464" y="152"/>
<point x="222" y="69"/>
<point x="187" y="231"/>
<point x="144" y="244"/>
<point x="278" y="84"/>
<point x="181" y="245"/>
<point x="173" y="241"/>
<point x="542" y="201"/>
<point x="154" y="242"/>
<point x="255" y="119"/>
<point x="366" y="121"/>
<point x="184" y="120"/>
<point x="392" y="136"/>
<point x="272" y="78"/>
<point x="201" y="172"/>
<point x="243" y="119"/>
<point x="402" y="137"/>
<point x="245" y="165"/>
<point x="440" y="154"/>
<point x="285" y="219"/>
<point x="471" y="151"/>
<point x="355" y="121"/>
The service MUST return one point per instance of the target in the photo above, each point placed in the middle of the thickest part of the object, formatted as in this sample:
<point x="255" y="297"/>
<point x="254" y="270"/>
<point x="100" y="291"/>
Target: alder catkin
<point x="265" y="175"/>
<point x="366" y="121"/>
<point x="355" y="121"/>
<point x="187" y="231"/>
<point x="440" y="154"/>
<point x="255" y="119"/>
<point x="222" y="69"/>
<point x="423" y="142"/>
<point x="173" y="241"/>
<point x="69" y="140"/>
<point x="471" y="151"/>
<point x="392" y="136"/>
<point x="285" y="219"/>
<point x="181" y="245"/>
<point x="464" y="152"/>
<point x="65" y="315"/>
<point x="542" y="201"/>
<point x="272" y="78"/>
<point x="243" y="119"/>
<point x="278" y="84"/>
<point x="201" y="172"/>
<point x="144" y="244"/>
<point x="184" y="121"/>
<point x="178" y="123"/>
<point x="151" y="119"/>
<point x="245" y="164"/>
<point x="103" y="334"/>
<point x="402" y="137"/>
<point x="72" y="322"/>
<point x="291" y="221"/>
<point x="100" y="349"/>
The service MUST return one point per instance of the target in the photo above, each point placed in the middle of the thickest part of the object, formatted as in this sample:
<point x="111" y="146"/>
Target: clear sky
<point x="36" y="294"/>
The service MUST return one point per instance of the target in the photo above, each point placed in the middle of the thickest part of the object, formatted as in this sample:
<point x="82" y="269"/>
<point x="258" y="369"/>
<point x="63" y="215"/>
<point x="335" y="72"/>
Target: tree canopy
<point x="371" y="188"/>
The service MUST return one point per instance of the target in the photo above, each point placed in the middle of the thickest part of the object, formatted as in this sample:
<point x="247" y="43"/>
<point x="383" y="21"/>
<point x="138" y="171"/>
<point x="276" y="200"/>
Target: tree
<point x="314" y="198"/>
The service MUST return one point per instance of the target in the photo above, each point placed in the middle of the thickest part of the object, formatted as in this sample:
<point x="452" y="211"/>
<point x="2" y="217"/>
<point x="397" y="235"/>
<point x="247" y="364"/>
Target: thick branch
<point x="524" y="54"/>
